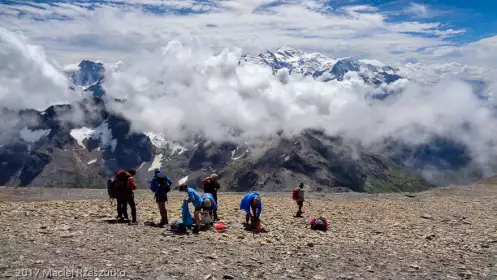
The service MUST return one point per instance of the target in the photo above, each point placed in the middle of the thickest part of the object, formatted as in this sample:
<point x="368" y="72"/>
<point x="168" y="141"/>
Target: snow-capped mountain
<point x="323" y="68"/>
<point x="80" y="145"/>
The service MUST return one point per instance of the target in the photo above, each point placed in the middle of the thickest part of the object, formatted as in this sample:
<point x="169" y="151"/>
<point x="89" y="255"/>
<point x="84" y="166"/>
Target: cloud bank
<point x="182" y="90"/>
<point x="27" y="79"/>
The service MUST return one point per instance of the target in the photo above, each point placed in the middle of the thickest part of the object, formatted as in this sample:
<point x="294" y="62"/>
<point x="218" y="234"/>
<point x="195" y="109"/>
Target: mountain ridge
<point x="100" y="141"/>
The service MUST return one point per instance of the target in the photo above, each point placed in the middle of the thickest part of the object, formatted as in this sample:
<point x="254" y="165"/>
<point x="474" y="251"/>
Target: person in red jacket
<point x="125" y="186"/>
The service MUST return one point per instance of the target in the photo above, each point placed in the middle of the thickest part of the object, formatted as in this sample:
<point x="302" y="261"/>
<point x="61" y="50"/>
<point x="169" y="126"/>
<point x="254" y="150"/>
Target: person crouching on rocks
<point x="211" y="185"/>
<point x="252" y="205"/>
<point x="195" y="199"/>
<point x="209" y="206"/>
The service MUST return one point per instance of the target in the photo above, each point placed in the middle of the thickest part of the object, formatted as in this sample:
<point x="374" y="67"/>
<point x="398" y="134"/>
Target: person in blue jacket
<point x="160" y="186"/>
<point x="209" y="204"/>
<point x="195" y="199"/>
<point x="251" y="202"/>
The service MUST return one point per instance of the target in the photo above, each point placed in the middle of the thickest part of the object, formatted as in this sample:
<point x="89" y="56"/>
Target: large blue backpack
<point x="163" y="184"/>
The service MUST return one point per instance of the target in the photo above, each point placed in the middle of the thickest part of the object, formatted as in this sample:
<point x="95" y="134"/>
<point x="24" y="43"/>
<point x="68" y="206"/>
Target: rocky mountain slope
<point x="446" y="233"/>
<point x="59" y="154"/>
<point x="80" y="145"/>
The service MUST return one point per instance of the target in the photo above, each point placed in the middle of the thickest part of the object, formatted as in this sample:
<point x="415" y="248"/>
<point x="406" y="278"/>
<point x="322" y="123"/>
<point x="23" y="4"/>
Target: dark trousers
<point x="214" y="213"/>
<point x="122" y="205"/>
<point x="119" y="206"/>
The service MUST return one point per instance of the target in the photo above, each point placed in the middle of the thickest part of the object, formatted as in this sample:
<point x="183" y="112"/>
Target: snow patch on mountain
<point x="33" y="136"/>
<point x="322" y="68"/>
<point x="156" y="163"/>
<point x="101" y="132"/>
<point x="296" y="61"/>
<point x="92" y="161"/>
<point x="373" y="62"/>
<point x="178" y="148"/>
<point x="157" y="140"/>
<point x="235" y="154"/>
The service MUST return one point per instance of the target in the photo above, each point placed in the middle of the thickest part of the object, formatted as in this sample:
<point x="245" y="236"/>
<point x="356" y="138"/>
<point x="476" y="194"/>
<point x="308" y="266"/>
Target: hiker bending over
<point x="209" y="206"/>
<point x="211" y="186"/>
<point x="298" y="195"/>
<point x="319" y="224"/>
<point x="251" y="202"/>
<point x="125" y="185"/>
<point x="160" y="186"/>
<point x="194" y="198"/>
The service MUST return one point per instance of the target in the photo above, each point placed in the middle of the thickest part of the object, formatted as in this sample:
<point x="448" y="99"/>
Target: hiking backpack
<point x="296" y="194"/>
<point x="121" y="179"/>
<point x="111" y="189"/>
<point x="163" y="183"/>
<point x="206" y="184"/>
<point x="318" y="224"/>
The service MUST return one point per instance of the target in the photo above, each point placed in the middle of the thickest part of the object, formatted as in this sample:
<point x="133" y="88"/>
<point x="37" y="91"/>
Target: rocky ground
<point x="448" y="233"/>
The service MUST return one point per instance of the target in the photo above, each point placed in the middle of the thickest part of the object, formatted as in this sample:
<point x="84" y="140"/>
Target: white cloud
<point x="361" y="8"/>
<point x="198" y="91"/>
<point x="27" y="79"/>
<point x="481" y="53"/>
<point x="449" y="32"/>
<point x="419" y="10"/>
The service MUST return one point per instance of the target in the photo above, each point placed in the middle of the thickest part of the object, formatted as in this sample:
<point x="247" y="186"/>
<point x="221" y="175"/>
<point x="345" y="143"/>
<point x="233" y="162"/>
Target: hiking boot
<point x="133" y="223"/>
<point x="195" y="230"/>
<point x="163" y="223"/>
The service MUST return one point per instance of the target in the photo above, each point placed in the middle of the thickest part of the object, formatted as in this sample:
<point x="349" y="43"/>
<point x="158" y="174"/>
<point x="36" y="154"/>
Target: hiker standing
<point x="160" y="186"/>
<point x="298" y="195"/>
<point x="125" y="184"/>
<point x="195" y="199"/>
<point x="251" y="202"/>
<point x="211" y="186"/>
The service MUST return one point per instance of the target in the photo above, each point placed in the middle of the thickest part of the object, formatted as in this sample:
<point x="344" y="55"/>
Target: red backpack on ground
<point x="296" y="194"/>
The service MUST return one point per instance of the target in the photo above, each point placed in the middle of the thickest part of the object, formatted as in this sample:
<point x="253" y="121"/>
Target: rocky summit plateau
<point x="80" y="145"/>
<point x="443" y="233"/>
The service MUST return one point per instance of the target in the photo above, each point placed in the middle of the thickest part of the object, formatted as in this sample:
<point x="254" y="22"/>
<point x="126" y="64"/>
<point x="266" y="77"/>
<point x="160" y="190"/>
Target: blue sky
<point x="393" y="31"/>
